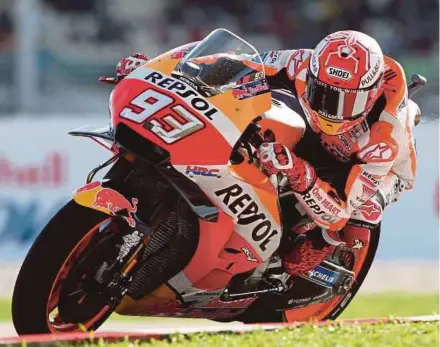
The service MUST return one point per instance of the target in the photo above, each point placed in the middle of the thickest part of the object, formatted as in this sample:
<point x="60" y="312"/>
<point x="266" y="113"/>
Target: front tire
<point x="45" y="260"/>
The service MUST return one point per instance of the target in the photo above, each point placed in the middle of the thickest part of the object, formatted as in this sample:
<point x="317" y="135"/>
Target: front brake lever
<point x="418" y="82"/>
<point x="109" y="80"/>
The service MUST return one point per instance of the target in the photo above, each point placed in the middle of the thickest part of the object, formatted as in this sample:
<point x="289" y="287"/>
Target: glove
<point x="276" y="158"/>
<point x="131" y="63"/>
<point x="126" y="66"/>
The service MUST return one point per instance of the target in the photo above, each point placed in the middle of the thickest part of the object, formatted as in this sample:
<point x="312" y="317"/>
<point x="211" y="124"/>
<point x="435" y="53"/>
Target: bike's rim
<point x="53" y="319"/>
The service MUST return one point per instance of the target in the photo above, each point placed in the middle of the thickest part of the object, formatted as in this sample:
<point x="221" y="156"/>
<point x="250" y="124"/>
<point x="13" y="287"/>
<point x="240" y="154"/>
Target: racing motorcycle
<point x="184" y="223"/>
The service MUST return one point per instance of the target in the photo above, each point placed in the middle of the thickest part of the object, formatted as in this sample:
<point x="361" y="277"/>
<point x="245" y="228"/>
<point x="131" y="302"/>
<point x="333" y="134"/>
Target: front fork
<point x="112" y="197"/>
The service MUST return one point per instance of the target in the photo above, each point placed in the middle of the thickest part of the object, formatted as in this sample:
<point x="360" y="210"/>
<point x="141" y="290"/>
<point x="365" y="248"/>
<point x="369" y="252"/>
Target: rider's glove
<point x="276" y="158"/>
<point x="131" y="63"/>
<point x="126" y="66"/>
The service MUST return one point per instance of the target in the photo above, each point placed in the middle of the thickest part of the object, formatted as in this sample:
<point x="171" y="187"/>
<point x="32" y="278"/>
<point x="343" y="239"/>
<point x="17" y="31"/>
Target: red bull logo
<point x="89" y="186"/>
<point x="252" y="89"/>
<point x="116" y="202"/>
<point x="110" y="200"/>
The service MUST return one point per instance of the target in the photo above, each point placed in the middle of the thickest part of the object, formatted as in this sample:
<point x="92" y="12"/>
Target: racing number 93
<point x="167" y="120"/>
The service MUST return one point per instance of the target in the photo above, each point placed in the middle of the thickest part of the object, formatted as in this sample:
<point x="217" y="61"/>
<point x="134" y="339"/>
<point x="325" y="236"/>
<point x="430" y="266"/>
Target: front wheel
<point x="51" y="293"/>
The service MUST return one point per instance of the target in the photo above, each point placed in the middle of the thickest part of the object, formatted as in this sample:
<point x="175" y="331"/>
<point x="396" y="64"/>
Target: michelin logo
<point x="323" y="276"/>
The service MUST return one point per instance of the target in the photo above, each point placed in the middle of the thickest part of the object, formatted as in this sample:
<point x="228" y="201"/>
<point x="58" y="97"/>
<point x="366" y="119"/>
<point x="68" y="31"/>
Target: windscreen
<point x="220" y="62"/>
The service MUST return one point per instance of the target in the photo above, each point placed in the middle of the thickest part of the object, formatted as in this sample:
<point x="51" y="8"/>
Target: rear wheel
<point x="54" y="290"/>
<point x="261" y="311"/>
<point x="333" y="308"/>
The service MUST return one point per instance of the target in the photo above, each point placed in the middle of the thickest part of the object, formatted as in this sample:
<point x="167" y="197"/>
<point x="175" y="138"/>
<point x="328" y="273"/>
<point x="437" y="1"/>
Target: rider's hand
<point x="276" y="158"/>
<point x="126" y="66"/>
<point x="131" y="63"/>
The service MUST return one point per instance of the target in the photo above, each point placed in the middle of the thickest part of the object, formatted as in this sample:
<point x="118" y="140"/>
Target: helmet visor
<point x="337" y="104"/>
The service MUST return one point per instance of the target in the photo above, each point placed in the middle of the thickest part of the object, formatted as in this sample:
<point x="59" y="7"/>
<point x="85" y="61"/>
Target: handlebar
<point x="418" y="82"/>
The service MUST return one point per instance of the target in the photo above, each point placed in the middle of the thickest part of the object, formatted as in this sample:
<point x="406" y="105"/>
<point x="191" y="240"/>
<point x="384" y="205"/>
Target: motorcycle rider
<point x="357" y="154"/>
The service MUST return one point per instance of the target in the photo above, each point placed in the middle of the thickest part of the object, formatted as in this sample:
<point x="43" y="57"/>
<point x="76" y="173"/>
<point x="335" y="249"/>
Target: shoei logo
<point x="339" y="73"/>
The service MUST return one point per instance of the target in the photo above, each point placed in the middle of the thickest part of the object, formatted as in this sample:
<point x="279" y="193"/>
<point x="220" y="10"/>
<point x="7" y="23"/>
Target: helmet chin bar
<point x="331" y="127"/>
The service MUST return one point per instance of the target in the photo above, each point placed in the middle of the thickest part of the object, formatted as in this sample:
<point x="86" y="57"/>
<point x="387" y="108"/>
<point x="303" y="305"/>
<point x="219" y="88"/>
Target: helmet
<point x="343" y="81"/>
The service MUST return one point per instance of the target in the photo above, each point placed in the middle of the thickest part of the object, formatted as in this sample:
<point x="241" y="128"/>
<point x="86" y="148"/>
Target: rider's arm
<point x="389" y="149"/>
<point x="281" y="66"/>
<point x="331" y="206"/>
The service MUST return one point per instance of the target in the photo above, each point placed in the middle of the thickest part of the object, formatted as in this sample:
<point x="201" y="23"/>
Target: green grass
<point x="5" y="309"/>
<point x="362" y="306"/>
<point x="390" y="335"/>
<point x="392" y="304"/>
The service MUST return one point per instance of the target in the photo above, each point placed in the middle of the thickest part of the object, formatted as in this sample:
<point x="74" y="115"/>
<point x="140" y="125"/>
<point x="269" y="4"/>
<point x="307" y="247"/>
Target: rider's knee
<point x="370" y="212"/>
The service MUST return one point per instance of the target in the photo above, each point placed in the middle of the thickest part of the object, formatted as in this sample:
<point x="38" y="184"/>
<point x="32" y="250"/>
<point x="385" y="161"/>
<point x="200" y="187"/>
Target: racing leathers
<point x="350" y="177"/>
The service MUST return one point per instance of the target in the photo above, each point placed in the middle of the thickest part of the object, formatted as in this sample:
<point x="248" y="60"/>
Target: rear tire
<point x="258" y="313"/>
<point x="43" y="263"/>
<point x="345" y="301"/>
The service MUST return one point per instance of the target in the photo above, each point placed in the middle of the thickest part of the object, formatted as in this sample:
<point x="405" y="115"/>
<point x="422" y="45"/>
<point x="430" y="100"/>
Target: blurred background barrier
<point x="53" y="51"/>
<point x="40" y="169"/>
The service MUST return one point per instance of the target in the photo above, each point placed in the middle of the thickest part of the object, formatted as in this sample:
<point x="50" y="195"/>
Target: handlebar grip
<point x="418" y="82"/>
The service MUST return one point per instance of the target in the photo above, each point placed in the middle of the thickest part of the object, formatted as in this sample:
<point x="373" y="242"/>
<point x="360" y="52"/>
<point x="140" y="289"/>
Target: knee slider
<point x="370" y="212"/>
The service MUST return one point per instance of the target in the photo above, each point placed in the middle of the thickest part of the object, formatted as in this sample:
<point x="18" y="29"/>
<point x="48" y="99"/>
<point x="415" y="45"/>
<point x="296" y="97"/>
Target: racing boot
<point x="319" y="243"/>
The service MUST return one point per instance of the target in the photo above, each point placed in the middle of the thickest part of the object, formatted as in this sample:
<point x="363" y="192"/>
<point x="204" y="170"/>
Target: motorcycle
<point x="184" y="223"/>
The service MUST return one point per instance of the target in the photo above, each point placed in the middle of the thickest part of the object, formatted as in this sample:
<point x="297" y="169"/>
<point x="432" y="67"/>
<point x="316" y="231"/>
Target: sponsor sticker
<point x="295" y="60"/>
<point x="249" y="255"/>
<point x="130" y="241"/>
<point x="248" y="212"/>
<point x="378" y="152"/>
<point x="369" y="179"/>
<point x="108" y="199"/>
<point x="323" y="276"/>
<point x="321" y="207"/>
<point x="339" y="73"/>
<point x="330" y="116"/>
<point x="314" y="64"/>
<point x="370" y="77"/>
<point x="358" y="244"/>
<point x="371" y="211"/>
<point x="201" y="171"/>
<point x="367" y="192"/>
<point x="250" y="90"/>
<point x="184" y="91"/>
<point x="273" y="57"/>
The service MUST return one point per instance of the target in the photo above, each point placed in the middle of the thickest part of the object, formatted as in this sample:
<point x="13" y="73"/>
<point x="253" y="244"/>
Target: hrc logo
<point x="201" y="171"/>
